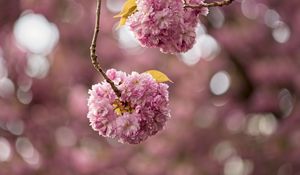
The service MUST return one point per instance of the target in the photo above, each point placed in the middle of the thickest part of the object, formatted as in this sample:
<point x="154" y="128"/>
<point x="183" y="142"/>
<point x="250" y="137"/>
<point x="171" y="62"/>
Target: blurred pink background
<point x="234" y="101"/>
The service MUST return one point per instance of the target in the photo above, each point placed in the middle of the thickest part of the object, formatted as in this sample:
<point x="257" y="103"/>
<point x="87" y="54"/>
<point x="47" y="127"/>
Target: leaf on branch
<point x="129" y="8"/>
<point x="159" y="76"/>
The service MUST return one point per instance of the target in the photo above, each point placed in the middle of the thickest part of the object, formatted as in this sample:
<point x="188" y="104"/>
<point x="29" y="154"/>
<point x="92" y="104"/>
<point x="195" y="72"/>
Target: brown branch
<point x="93" y="54"/>
<point x="212" y="4"/>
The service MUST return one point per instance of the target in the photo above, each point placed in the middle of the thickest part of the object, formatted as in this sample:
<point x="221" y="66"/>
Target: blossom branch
<point x="212" y="4"/>
<point x="93" y="54"/>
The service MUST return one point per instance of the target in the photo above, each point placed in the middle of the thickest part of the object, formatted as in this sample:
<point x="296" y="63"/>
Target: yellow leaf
<point x="159" y="76"/>
<point x="128" y="9"/>
<point x="122" y="21"/>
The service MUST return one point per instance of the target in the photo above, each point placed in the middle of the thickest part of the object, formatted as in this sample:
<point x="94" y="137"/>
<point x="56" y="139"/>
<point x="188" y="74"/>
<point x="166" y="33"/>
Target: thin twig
<point x="93" y="54"/>
<point x="212" y="4"/>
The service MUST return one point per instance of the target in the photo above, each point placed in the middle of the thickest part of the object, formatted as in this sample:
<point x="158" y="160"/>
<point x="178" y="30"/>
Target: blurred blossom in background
<point x="235" y="100"/>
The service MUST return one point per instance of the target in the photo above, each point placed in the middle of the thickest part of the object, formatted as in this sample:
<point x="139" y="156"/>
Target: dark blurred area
<point x="234" y="101"/>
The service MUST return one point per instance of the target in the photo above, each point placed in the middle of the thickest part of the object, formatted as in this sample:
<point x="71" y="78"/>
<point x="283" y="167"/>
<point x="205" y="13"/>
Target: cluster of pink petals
<point x="166" y="24"/>
<point x="148" y="100"/>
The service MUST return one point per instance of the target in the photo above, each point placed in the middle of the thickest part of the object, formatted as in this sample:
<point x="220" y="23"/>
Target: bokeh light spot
<point x="37" y="66"/>
<point x="286" y="102"/>
<point x="115" y="6"/>
<point x="262" y="124"/>
<point x="34" y="33"/>
<point x="220" y="83"/>
<point x="223" y="151"/>
<point x="3" y="69"/>
<point x="237" y="166"/>
<point x="271" y="18"/>
<point x="267" y="124"/>
<point x="16" y="127"/>
<point x="281" y="32"/>
<point x="24" y="97"/>
<point x="127" y="41"/>
<point x="250" y="9"/>
<point x="65" y="137"/>
<point x="25" y="148"/>
<point x="5" y="150"/>
<point x="216" y="17"/>
<point x="7" y="87"/>
<point x="206" y="47"/>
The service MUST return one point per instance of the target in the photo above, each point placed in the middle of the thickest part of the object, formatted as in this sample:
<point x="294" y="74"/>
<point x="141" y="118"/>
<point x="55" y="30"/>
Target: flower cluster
<point x="141" y="111"/>
<point x="166" y="24"/>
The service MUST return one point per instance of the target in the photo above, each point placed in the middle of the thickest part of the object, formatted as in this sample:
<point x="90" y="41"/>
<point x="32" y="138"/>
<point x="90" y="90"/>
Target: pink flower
<point x="141" y="111"/>
<point x="165" y="24"/>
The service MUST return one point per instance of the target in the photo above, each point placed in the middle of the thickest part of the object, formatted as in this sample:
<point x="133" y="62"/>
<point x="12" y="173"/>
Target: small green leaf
<point x="159" y="76"/>
<point x="128" y="9"/>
